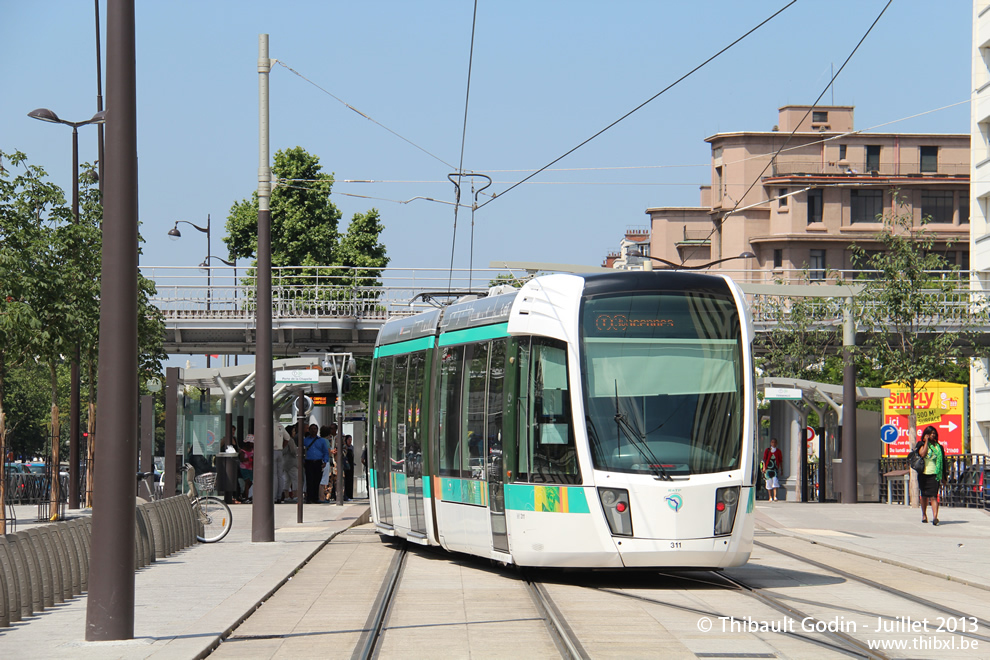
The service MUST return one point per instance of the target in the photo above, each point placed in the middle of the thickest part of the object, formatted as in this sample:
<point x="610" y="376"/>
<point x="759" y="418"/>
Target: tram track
<point x="369" y="643"/>
<point x="560" y="631"/>
<point x="887" y="589"/>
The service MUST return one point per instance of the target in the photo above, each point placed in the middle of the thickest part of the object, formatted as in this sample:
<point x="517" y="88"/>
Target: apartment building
<point x="798" y="195"/>
<point x="980" y="204"/>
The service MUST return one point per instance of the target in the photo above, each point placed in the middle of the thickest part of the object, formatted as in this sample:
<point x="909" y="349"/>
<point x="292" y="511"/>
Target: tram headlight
<point x="726" y="501"/>
<point x="615" y="504"/>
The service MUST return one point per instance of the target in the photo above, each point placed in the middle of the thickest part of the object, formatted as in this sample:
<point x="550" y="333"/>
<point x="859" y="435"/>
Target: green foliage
<point x="361" y="248"/>
<point x="49" y="292"/>
<point x="508" y="278"/>
<point x="304" y="220"/>
<point x="920" y="327"/>
<point x="798" y="344"/>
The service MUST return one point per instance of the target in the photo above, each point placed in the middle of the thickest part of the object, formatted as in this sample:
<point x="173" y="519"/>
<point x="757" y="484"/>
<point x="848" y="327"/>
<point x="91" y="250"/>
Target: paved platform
<point x="955" y="549"/>
<point x="186" y="602"/>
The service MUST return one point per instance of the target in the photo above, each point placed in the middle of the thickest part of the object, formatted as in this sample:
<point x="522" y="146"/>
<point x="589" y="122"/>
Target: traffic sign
<point x="889" y="433"/>
<point x="809" y="433"/>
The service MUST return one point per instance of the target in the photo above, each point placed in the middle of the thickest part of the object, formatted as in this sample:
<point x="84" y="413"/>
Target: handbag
<point x="916" y="461"/>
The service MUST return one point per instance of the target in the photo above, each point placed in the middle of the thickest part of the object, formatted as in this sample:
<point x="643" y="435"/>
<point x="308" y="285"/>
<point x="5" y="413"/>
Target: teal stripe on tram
<point x="483" y="333"/>
<point x="551" y="499"/>
<point x="426" y="486"/>
<point x="411" y="346"/>
<point x="464" y="491"/>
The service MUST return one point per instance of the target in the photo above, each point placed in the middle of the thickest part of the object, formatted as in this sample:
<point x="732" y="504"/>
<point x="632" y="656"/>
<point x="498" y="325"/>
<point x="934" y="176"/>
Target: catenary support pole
<point x="849" y="492"/>
<point x="263" y="507"/>
<point x="110" y="602"/>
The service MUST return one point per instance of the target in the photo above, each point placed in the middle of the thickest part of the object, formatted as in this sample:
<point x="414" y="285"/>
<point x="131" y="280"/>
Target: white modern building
<point x="979" y="237"/>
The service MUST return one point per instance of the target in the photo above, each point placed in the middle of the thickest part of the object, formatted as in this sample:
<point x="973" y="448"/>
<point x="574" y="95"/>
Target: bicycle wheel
<point x="213" y="518"/>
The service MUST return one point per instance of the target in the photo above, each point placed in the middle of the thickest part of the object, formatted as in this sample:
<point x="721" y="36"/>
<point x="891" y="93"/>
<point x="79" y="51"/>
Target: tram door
<point x="380" y="453"/>
<point x="494" y="455"/>
<point x="413" y="441"/>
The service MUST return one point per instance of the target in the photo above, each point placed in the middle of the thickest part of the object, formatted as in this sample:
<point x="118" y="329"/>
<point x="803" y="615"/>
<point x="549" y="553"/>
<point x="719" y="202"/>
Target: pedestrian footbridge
<point x="213" y="312"/>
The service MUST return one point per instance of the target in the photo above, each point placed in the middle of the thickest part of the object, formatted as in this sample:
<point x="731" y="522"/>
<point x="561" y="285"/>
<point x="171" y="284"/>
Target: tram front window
<point x="662" y="382"/>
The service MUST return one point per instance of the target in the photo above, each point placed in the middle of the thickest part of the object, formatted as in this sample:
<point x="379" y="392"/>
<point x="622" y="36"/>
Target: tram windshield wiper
<point x="622" y="424"/>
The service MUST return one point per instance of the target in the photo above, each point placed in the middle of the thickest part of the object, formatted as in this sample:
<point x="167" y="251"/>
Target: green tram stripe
<point x="411" y="346"/>
<point x="553" y="499"/>
<point x="482" y="333"/>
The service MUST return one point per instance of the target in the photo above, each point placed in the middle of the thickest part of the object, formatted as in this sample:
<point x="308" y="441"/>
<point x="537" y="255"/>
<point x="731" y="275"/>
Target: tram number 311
<point x="675" y="545"/>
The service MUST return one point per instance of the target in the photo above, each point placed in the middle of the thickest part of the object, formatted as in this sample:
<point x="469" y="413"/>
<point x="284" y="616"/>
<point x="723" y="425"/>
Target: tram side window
<point x="449" y="432"/>
<point x="523" y="452"/>
<point x="413" y="412"/>
<point x="496" y="405"/>
<point x="383" y="393"/>
<point x="554" y="457"/>
<point x="397" y="419"/>
<point x="474" y="452"/>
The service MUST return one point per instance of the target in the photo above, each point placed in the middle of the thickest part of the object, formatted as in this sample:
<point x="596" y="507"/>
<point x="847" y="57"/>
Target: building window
<point x="819" y="116"/>
<point x="644" y="249"/>
<point x="817" y="269"/>
<point x="778" y="258"/>
<point x="782" y="198"/>
<point x="929" y="159"/>
<point x="865" y="205"/>
<point x="842" y="152"/>
<point x="963" y="208"/>
<point x="718" y="182"/>
<point x="814" y="205"/>
<point x="936" y="206"/>
<point x="873" y="158"/>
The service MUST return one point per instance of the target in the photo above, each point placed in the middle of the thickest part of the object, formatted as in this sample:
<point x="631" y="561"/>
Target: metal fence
<point x="966" y="484"/>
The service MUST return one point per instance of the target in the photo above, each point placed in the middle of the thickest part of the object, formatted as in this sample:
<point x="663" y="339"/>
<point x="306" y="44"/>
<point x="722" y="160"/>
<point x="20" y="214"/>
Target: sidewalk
<point x="956" y="549"/>
<point x="186" y="602"/>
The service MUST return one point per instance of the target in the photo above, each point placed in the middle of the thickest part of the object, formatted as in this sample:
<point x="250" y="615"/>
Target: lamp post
<point x="206" y="265"/>
<point x="174" y="234"/>
<point x="744" y="255"/>
<point x="44" y="114"/>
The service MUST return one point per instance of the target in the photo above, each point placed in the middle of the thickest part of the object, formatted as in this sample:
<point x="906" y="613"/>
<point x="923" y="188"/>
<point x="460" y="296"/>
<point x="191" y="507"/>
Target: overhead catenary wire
<point x="372" y="120"/>
<point x="758" y="177"/>
<point x="644" y="103"/>
<point x="460" y="166"/>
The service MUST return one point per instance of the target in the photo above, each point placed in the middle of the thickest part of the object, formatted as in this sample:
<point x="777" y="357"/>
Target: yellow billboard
<point x="936" y="403"/>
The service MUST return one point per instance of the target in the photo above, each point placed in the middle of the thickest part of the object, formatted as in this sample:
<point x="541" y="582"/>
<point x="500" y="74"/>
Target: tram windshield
<point x="662" y="382"/>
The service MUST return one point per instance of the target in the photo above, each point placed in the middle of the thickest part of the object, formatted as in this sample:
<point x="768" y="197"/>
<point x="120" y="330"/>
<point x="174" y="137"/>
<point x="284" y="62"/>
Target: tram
<point x="586" y="421"/>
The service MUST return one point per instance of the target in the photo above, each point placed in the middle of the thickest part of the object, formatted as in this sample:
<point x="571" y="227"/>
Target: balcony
<point x="696" y="237"/>
<point x="906" y="168"/>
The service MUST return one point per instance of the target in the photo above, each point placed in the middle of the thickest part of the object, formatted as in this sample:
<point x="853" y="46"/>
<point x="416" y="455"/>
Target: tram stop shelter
<point x="202" y="404"/>
<point x="809" y="465"/>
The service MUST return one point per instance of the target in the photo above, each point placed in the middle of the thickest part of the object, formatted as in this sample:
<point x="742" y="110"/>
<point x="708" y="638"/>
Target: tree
<point x="49" y="293"/>
<point x="803" y="334"/>
<point x="304" y="220"/>
<point x="920" y="326"/>
<point x="326" y="269"/>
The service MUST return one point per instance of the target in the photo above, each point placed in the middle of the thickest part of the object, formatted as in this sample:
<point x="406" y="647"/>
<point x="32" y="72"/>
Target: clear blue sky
<point x="546" y="76"/>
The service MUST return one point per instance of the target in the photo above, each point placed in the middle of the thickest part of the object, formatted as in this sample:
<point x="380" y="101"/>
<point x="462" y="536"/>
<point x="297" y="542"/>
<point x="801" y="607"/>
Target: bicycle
<point x="212" y="513"/>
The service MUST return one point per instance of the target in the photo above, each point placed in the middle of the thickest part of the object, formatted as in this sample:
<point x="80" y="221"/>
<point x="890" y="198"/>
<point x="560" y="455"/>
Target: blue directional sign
<point x="889" y="433"/>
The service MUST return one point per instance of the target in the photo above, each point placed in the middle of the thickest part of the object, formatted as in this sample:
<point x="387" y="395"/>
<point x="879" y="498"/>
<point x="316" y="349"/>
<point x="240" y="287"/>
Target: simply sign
<point x="297" y="376"/>
<point x="781" y="393"/>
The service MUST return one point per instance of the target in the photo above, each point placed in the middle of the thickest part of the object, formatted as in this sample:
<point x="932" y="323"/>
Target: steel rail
<point x="560" y="631"/>
<point x="374" y="629"/>
<point x="887" y="589"/>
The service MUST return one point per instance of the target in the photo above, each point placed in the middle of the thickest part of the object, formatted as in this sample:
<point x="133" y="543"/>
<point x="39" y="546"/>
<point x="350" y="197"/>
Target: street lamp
<point x="744" y="255"/>
<point x="206" y="266"/>
<point x="174" y="234"/>
<point x="44" y="114"/>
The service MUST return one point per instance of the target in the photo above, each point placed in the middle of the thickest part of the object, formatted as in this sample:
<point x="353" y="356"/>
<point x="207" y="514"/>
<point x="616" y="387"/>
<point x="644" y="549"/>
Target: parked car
<point x="16" y="468"/>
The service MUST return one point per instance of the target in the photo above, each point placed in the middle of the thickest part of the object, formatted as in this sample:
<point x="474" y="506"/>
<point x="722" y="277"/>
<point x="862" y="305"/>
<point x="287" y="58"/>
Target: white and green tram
<point x="603" y="420"/>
